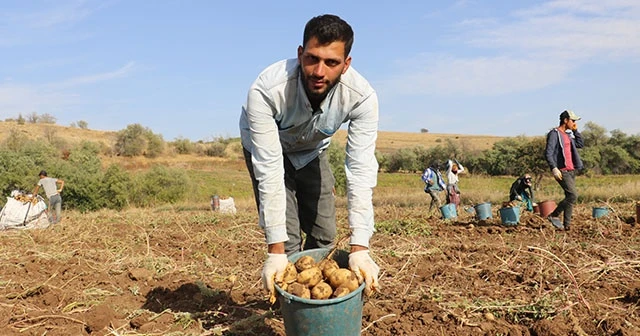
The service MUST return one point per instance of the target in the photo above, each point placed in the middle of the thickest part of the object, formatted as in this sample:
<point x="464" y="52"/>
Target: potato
<point x="340" y="292"/>
<point x="321" y="291"/>
<point x="299" y="290"/>
<point x="340" y="276"/>
<point x="327" y="266"/>
<point x="310" y="277"/>
<point x="290" y="273"/>
<point x="351" y="282"/>
<point x="304" y="263"/>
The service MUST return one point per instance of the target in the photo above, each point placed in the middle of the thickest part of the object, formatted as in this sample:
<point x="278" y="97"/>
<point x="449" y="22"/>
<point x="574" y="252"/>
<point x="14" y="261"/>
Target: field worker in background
<point x="453" y="192"/>
<point x="292" y="110"/>
<point x="521" y="191"/>
<point x="562" y="156"/>
<point x="434" y="184"/>
<point x="50" y="186"/>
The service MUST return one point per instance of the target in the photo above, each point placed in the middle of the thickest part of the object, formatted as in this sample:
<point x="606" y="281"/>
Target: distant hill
<point x="387" y="141"/>
<point x="71" y="135"/>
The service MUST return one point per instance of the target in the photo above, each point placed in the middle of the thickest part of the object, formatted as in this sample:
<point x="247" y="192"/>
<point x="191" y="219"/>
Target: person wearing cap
<point x="521" y="191"/>
<point x="50" y="186"/>
<point x="562" y="155"/>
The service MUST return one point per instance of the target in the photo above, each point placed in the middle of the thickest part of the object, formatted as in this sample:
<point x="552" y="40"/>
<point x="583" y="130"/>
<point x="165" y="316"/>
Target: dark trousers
<point x="568" y="184"/>
<point x="311" y="205"/>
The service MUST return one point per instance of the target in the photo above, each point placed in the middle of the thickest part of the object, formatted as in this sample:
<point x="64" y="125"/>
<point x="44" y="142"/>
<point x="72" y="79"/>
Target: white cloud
<point x="532" y="48"/>
<point x="16" y="99"/>
<point x="477" y="76"/>
<point x="95" y="78"/>
<point x="23" y="98"/>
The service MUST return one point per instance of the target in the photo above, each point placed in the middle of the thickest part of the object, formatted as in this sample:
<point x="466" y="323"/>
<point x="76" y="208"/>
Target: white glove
<point x="366" y="270"/>
<point x="519" y="198"/>
<point x="272" y="271"/>
<point x="557" y="173"/>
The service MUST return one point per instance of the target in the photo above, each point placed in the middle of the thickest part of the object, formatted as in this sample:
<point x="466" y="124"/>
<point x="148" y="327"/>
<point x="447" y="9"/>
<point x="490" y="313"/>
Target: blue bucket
<point x="510" y="216"/>
<point x="333" y="317"/>
<point x="600" y="212"/>
<point x="483" y="211"/>
<point x="448" y="211"/>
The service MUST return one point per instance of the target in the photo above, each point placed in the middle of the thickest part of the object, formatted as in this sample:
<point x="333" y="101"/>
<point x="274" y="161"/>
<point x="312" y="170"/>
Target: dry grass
<point x="70" y="135"/>
<point x="391" y="141"/>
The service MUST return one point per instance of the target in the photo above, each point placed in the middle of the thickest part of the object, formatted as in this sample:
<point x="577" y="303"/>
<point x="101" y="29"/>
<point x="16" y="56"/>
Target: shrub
<point x="155" y="144"/>
<point x="116" y="186"/>
<point x="183" y="146"/>
<point x="83" y="124"/>
<point x="160" y="185"/>
<point x="215" y="149"/>
<point x="337" y="156"/>
<point x="47" y="119"/>
<point x="83" y="175"/>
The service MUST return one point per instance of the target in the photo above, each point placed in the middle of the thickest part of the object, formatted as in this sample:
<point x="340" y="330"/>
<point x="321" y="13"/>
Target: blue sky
<point x="182" y="68"/>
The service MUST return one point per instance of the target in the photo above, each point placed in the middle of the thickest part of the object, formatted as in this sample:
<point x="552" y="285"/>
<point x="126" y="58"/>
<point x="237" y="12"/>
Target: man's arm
<point x="36" y="189"/>
<point x="578" y="139"/>
<point x="268" y="167"/>
<point x="61" y="183"/>
<point x="361" y="168"/>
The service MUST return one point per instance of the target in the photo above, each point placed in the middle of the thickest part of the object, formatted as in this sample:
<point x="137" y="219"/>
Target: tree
<point x="32" y="117"/>
<point x="131" y="141"/>
<point x="594" y="135"/>
<point x="47" y="119"/>
<point x="83" y="124"/>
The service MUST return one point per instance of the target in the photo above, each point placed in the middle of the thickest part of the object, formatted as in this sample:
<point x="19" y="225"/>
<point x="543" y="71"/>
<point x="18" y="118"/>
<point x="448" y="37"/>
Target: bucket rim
<point x="483" y="203"/>
<point x="288" y="296"/>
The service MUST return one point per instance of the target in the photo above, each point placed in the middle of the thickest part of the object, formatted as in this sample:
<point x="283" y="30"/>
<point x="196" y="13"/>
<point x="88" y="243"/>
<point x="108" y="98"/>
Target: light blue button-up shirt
<point x="278" y="119"/>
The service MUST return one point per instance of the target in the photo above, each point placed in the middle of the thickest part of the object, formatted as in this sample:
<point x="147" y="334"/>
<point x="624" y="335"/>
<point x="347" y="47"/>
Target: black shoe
<point x="555" y="221"/>
<point x="566" y="227"/>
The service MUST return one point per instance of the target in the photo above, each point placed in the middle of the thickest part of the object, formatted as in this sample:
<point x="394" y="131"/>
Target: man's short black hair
<point x="42" y="173"/>
<point x="329" y="28"/>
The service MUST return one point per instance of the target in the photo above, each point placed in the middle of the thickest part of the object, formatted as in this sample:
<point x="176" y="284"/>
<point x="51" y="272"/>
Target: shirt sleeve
<point x="361" y="168"/>
<point x="267" y="160"/>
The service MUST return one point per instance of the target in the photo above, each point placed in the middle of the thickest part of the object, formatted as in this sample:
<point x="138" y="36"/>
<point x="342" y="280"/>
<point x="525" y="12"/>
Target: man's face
<point x="322" y="66"/>
<point x="570" y="124"/>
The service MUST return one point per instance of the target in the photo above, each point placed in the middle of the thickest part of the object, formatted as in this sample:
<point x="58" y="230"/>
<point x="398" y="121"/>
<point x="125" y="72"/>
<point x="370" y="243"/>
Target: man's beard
<point x="314" y="95"/>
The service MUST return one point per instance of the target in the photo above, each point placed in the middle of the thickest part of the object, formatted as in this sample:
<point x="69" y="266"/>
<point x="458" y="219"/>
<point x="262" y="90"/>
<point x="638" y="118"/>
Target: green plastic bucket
<point x="483" y="211"/>
<point x="510" y="216"/>
<point x="332" y="317"/>
<point x="598" y="212"/>
<point x="448" y="211"/>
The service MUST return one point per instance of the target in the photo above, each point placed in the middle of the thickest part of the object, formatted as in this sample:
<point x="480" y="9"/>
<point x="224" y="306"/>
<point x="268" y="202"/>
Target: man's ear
<point x="347" y="63"/>
<point x="300" y="51"/>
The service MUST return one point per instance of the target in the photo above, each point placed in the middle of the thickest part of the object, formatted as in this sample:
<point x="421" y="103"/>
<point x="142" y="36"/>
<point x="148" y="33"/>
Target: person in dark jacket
<point x="562" y="155"/>
<point x="521" y="191"/>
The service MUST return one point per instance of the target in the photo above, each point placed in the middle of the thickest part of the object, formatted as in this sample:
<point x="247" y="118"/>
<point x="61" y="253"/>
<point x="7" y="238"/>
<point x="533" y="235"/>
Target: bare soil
<point x="193" y="272"/>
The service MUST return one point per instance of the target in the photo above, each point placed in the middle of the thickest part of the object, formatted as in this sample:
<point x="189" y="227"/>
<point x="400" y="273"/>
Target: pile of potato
<point x="319" y="281"/>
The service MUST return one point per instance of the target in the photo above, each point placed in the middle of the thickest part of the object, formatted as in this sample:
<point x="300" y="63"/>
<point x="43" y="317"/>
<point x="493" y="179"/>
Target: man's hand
<point x="366" y="270"/>
<point x="273" y="271"/>
<point x="557" y="174"/>
<point x="519" y="198"/>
